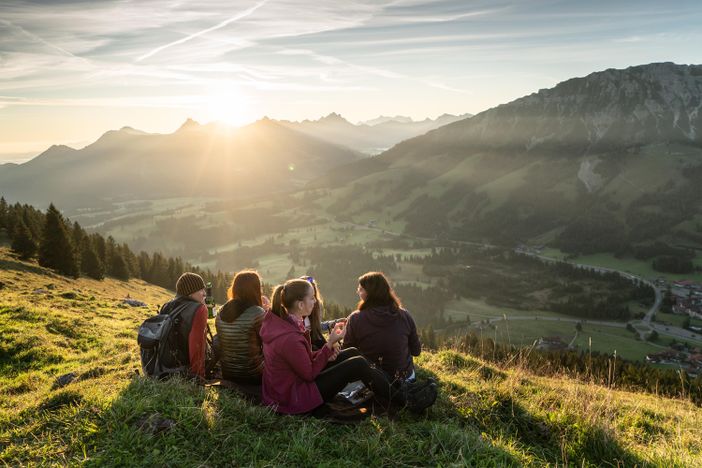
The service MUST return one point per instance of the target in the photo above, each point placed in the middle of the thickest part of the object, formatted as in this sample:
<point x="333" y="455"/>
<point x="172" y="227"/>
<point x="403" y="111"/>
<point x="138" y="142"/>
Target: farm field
<point x="629" y="264"/>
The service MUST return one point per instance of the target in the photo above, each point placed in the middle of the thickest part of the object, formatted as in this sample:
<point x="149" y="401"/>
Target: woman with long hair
<point x="382" y="330"/>
<point x="294" y="377"/>
<point x="238" y="324"/>
<point x="314" y="324"/>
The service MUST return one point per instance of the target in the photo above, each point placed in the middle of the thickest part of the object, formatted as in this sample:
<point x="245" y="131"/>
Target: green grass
<point x="478" y="310"/>
<point x="630" y="264"/>
<point x="525" y="332"/>
<point x="676" y="320"/>
<point x="605" y="339"/>
<point x="485" y="416"/>
<point x="610" y="339"/>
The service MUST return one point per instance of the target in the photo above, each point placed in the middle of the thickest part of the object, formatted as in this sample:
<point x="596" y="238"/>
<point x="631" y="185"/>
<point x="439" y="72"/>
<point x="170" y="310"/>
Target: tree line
<point x="70" y="250"/>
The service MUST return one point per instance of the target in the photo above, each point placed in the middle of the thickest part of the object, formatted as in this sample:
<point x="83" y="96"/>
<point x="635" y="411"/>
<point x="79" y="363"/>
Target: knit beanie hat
<point x="189" y="283"/>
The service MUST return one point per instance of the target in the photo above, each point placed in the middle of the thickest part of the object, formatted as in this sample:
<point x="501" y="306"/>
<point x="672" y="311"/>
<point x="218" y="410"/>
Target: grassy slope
<point x="485" y="416"/>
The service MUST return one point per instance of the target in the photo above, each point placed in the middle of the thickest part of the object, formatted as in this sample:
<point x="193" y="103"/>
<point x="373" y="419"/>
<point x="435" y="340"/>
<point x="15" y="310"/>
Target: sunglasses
<point x="309" y="279"/>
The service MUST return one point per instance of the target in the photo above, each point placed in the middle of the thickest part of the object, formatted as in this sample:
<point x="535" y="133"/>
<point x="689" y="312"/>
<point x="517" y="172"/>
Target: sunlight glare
<point x="228" y="105"/>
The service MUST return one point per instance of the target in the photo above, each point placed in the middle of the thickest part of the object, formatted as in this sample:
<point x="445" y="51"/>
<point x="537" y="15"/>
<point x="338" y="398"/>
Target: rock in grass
<point x="134" y="303"/>
<point x="69" y="295"/>
<point x="64" y="380"/>
<point x="154" y="424"/>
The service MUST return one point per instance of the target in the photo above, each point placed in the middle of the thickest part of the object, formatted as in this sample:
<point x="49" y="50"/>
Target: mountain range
<point x="605" y="161"/>
<point x="615" y="156"/>
<point x="372" y="136"/>
<point x="194" y="161"/>
<point x="200" y="160"/>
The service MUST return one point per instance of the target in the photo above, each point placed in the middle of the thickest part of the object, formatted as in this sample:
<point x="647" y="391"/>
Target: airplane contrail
<point x="243" y="14"/>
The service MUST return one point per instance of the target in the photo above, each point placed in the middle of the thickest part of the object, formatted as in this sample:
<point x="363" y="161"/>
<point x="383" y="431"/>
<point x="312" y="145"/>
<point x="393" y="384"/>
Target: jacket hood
<point x="274" y="327"/>
<point x="382" y="316"/>
<point x="233" y="308"/>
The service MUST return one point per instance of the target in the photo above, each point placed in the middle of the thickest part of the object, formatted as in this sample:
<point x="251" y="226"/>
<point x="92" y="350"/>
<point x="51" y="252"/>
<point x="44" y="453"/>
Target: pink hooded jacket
<point x="290" y="367"/>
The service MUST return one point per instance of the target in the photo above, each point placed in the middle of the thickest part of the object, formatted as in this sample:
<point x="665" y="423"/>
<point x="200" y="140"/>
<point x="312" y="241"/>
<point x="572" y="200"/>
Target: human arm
<point x="305" y="364"/>
<point x="415" y="346"/>
<point x="197" y="342"/>
<point x="349" y="337"/>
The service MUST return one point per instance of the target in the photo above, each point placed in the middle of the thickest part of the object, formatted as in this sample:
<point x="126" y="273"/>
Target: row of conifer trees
<point x="69" y="250"/>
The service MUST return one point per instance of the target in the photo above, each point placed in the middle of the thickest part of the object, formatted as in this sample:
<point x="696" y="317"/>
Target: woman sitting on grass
<point x="294" y="377"/>
<point x="313" y="323"/>
<point x="238" y="324"/>
<point x="382" y="330"/>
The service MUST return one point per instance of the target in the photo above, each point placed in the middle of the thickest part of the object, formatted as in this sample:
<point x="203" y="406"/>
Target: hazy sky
<point x="71" y="70"/>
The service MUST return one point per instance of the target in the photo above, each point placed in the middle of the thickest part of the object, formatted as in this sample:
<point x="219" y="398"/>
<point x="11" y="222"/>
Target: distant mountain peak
<point x="189" y="124"/>
<point x="384" y="118"/>
<point x="59" y="148"/>
<point x="333" y="117"/>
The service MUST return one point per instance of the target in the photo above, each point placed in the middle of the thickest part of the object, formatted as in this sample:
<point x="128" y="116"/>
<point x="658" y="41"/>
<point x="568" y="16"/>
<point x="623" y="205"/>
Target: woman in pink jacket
<point x="295" y="378"/>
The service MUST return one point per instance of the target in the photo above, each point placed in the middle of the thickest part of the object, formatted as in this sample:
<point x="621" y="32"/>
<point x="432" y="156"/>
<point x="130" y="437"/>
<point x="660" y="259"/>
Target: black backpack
<point x="158" y="345"/>
<point x="418" y="395"/>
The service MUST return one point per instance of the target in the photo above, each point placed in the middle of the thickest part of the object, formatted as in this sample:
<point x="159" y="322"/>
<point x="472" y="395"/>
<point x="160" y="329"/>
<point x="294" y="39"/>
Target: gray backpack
<point x="158" y="344"/>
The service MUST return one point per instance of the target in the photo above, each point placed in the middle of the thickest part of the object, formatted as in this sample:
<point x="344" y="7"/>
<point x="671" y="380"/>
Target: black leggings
<point x="350" y="366"/>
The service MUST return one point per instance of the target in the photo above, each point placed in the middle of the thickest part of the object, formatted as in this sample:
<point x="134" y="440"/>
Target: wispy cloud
<point x="224" y="23"/>
<point x="36" y="38"/>
<point x="405" y="54"/>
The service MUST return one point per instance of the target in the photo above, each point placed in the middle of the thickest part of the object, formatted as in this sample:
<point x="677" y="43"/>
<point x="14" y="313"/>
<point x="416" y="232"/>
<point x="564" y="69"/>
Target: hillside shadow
<point x="559" y="440"/>
<point x="16" y="265"/>
<point x="179" y="423"/>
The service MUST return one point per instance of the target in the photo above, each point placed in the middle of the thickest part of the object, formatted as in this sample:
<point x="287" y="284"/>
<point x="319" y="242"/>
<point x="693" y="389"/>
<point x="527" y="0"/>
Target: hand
<point x="266" y="303"/>
<point x="337" y="333"/>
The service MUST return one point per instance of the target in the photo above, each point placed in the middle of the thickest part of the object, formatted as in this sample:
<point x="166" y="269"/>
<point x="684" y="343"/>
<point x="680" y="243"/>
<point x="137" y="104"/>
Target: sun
<point x="226" y="104"/>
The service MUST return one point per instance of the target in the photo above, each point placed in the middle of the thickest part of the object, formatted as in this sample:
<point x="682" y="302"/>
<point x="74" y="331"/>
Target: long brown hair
<point x="285" y="295"/>
<point x="317" y="311"/>
<point x="378" y="291"/>
<point x="246" y="287"/>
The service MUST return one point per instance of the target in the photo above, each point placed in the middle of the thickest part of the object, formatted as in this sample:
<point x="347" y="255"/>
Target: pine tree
<point x="77" y="236"/>
<point x="22" y="242"/>
<point x="110" y="247"/>
<point x="131" y="260"/>
<point x="34" y="220"/>
<point x="55" y="250"/>
<point x="119" y="268"/>
<point x="90" y="263"/>
<point x="3" y="213"/>
<point x="144" y="265"/>
<point x="100" y="247"/>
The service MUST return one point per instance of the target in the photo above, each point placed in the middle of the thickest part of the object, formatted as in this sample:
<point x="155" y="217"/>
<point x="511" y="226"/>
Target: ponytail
<point x="277" y="302"/>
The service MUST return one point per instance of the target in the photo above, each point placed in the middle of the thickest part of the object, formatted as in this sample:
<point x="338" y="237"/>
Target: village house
<point x="550" y="343"/>
<point x="669" y="356"/>
<point x="691" y="306"/>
